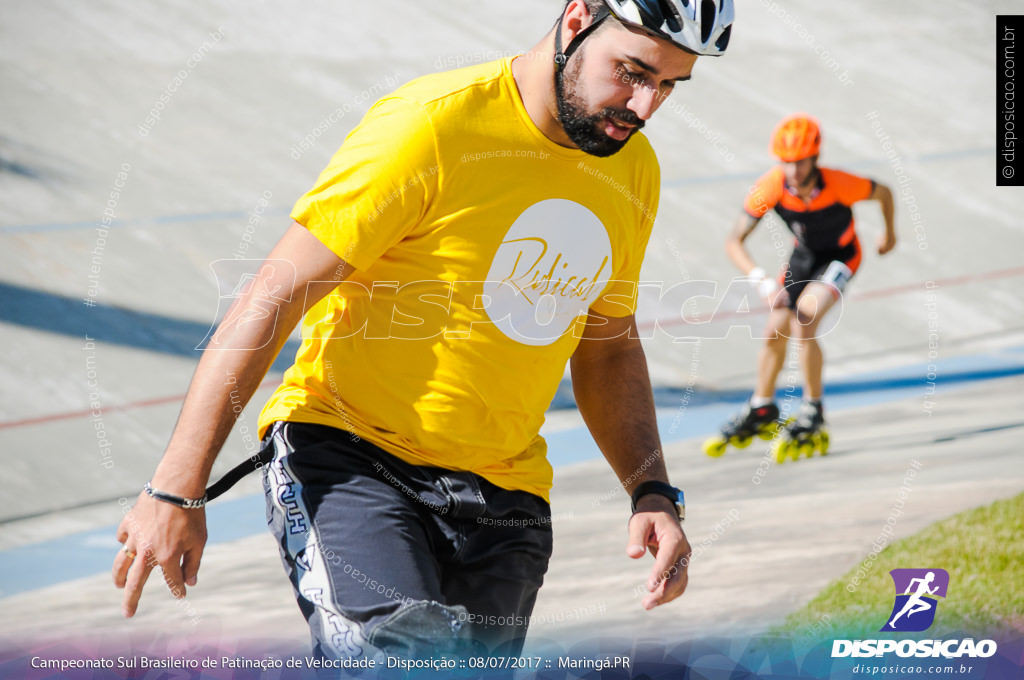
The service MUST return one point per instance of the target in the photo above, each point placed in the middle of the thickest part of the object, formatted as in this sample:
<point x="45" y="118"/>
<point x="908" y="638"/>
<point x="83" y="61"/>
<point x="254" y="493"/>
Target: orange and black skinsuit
<point x="823" y="226"/>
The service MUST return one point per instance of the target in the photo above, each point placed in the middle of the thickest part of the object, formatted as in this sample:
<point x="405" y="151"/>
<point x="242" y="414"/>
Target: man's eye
<point x="627" y="74"/>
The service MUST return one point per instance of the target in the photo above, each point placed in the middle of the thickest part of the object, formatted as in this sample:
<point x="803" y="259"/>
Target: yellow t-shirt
<point x="479" y="246"/>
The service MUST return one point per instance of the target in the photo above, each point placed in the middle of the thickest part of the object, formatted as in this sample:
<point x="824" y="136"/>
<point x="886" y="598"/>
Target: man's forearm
<point x="888" y="204"/>
<point x="298" y="272"/>
<point x="229" y="372"/>
<point x="734" y="247"/>
<point x="739" y="256"/>
<point x="613" y="392"/>
<point x="614" y="396"/>
<point x="889" y="214"/>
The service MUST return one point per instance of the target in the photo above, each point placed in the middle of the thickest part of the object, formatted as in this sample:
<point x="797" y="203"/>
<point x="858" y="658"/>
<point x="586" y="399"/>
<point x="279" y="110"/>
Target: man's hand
<point x="886" y="242"/>
<point x="767" y="288"/>
<point x="656" y="526"/>
<point x="155" y="533"/>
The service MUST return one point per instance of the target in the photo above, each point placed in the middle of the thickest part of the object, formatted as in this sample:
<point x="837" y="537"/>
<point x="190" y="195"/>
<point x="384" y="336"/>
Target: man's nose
<point x="644" y="102"/>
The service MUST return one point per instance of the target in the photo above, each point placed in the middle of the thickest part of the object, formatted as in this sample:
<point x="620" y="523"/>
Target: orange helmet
<point x="797" y="137"/>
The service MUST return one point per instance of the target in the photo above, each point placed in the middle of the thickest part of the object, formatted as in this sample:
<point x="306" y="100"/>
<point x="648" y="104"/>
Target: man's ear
<point x="576" y="18"/>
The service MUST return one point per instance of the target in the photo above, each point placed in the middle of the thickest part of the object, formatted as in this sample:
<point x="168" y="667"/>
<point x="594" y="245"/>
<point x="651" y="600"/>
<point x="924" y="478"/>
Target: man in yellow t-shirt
<point x="475" y="232"/>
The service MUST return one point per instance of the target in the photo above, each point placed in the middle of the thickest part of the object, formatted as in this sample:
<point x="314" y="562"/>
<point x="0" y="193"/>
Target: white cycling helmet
<point x="698" y="26"/>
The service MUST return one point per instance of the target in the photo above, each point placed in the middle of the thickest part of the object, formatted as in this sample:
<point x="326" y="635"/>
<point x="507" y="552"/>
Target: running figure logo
<point x="916" y="592"/>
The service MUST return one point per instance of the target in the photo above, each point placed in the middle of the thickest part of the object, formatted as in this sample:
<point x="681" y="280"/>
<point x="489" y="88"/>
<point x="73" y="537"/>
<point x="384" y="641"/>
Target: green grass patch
<point x="983" y="551"/>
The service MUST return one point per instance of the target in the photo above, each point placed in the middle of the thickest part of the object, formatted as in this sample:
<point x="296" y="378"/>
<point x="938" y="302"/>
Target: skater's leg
<point x="758" y="417"/>
<point x="812" y="362"/>
<point x="772" y="355"/>
<point x="814" y="303"/>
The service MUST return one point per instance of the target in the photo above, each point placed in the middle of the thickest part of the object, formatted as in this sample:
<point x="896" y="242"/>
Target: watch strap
<point x="662" y="489"/>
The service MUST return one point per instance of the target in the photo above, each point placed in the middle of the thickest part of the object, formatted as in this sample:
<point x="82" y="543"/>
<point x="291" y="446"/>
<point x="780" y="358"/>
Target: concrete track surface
<point x="776" y="543"/>
<point x="215" y="175"/>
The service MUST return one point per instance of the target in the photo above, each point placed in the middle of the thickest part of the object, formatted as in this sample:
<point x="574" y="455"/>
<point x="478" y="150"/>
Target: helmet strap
<point x="562" y="57"/>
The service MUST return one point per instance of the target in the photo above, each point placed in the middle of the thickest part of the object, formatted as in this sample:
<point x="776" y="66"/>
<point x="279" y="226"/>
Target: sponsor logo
<point x="913" y="610"/>
<point x="948" y="649"/>
<point x="916" y="593"/>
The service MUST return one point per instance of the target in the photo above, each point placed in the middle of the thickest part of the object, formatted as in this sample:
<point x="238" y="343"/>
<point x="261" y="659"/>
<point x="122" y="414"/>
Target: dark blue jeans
<point x="406" y="559"/>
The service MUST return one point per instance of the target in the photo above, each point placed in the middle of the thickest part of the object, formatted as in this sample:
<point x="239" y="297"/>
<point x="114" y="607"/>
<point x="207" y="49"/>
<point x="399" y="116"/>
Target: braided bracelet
<point x="187" y="503"/>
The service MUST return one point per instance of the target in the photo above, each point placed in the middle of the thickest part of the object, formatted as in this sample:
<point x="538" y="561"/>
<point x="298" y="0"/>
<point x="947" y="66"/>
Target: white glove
<point x="766" y="287"/>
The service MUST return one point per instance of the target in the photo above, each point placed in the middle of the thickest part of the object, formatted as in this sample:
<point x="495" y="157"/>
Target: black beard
<point x="585" y="130"/>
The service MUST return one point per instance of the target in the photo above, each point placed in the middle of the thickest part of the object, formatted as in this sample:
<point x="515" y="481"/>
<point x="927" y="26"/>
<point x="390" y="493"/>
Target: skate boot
<point x="743" y="427"/>
<point x="804" y="435"/>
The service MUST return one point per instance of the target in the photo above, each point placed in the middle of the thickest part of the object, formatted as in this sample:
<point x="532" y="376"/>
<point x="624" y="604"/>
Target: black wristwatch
<point x="662" y="489"/>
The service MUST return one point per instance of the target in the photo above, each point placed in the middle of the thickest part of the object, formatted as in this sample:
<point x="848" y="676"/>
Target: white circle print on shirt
<point x="552" y="264"/>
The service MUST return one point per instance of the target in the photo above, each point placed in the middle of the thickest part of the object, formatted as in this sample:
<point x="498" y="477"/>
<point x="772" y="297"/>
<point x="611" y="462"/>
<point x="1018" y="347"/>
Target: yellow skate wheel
<point x="715" y="447"/>
<point x="741" y="442"/>
<point x="781" y="450"/>
<point x="793" y="450"/>
<point x="823" y="442"/>
<point x="768" y="432"/>
<point x="805" y="448"/>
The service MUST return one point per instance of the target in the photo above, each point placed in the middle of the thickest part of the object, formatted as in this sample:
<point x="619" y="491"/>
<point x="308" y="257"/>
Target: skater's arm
<point x="298" y="272"/>
<point x="766" y="286"/>
<point x="734" y="248"/>
<point x="613" y="392"/>
<point x="883" y="195"/>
